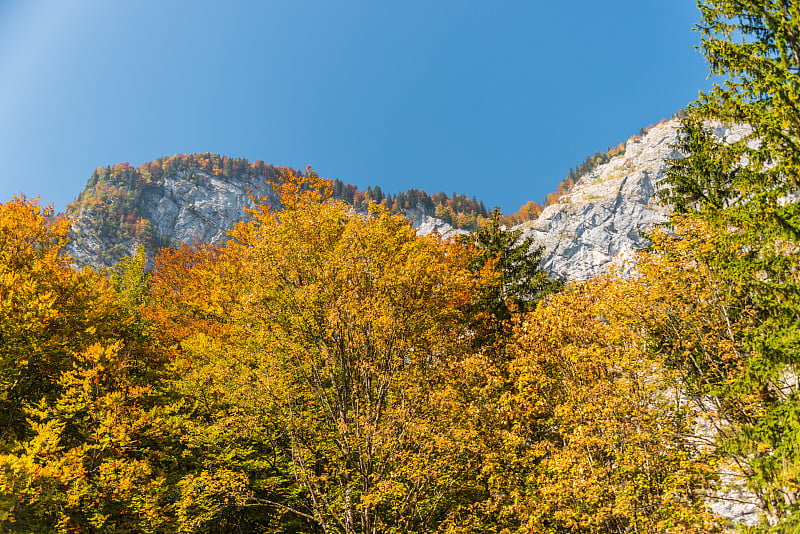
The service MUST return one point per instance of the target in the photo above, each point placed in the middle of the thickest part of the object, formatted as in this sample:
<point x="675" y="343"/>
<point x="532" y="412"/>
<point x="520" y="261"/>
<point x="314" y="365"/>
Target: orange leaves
<point x="301" y="189"/>
<point x="366" y="270"/>
<point x="340" y="327"/>
<point x="611" y="376"/>
<point x="192" y="292"/>
<point x="25" y="233"/>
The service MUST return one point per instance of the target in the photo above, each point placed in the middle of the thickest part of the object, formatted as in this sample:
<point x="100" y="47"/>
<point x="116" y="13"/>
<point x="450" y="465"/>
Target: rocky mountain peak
<point x="182" y="199"/>
<point x="199" y="197"/>
<point x="601" y="220"/>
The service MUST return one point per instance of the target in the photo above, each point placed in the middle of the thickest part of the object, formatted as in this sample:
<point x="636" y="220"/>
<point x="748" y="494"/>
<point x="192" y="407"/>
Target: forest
<point x="329" y="371"/>
<point x="115" y="197"/>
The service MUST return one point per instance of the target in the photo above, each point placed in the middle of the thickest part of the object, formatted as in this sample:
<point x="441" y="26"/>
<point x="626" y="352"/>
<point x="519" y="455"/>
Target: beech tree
<point x="105" y="430"/>
<point x="48" y="311"/>
<point x="600" y="436"/>
<point x="345" y="332"/>
<point x="79" y="381"/>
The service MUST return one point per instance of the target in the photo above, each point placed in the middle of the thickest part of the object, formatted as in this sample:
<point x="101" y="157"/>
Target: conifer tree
<point x="743" y="192"/>
<point x="522" y="283"/>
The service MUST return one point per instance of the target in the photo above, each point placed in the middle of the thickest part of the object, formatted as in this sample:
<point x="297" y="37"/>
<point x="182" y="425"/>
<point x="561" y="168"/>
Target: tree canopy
<point x="740" y="193"/>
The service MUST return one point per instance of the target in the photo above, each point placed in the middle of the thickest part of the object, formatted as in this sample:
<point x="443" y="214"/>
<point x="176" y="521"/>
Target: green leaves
<point x="745" y="193"/>
<point x="516" y="282"/>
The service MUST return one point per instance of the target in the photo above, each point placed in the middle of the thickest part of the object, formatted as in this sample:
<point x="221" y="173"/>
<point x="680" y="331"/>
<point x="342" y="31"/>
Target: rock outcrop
<point x="190" y="211"/>
<point x="424" y="224"/>
<point x="601" y="221"/>
<point x="185" y="207"/>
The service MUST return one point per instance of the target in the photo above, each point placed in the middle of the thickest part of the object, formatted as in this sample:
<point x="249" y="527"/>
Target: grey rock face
<point x="426" y="224"/>
<point x="601" y="221"/>
<point x="195" y="206"/>
<point x="206" y="209"/>
<point x="184" y="209"/>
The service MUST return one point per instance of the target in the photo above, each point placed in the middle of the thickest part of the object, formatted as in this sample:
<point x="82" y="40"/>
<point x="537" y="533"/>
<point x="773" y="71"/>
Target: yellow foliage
<point x="603" y="431"/>
<point x="344" y="329"/>
<point x="48" y="311"/>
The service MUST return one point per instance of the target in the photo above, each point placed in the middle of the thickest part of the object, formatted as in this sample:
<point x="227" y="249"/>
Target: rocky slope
<point x="181" y="211"/>
<point x="598" y="223"/>
<point x="191" y="198"/>
<point x="601" y="220"/>
<point x="122" y="209"/>
<point x="424" y="224"/>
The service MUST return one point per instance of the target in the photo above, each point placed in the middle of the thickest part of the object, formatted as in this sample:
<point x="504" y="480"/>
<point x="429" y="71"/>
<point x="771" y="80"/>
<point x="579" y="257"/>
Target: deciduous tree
<point x="603" y="441"/>
<point x="347" y="331"/>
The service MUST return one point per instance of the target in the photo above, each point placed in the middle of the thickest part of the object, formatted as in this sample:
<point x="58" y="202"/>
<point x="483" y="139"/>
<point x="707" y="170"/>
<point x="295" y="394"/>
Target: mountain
<point x="600" y="221"/>
<point x="199" y="197"/>
<point x="196" y="197"/>
<point x="595" y="221"/>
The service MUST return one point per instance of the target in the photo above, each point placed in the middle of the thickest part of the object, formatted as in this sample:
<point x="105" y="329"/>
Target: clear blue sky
<point x="494" y="98"/>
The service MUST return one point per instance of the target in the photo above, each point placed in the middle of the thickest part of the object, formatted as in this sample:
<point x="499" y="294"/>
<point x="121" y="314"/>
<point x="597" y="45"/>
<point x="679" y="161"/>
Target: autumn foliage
<point x="328" y="371"/>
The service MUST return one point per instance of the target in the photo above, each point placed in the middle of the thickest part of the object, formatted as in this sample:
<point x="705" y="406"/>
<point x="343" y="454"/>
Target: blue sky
<point x="493" y="99"/>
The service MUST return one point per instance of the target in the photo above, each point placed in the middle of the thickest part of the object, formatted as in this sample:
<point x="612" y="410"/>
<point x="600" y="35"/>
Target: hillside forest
<point x="327" y="370"/>
<point x="115" y="195"/>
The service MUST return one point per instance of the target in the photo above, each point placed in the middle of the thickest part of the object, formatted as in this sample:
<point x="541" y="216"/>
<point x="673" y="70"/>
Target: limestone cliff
<point x="185" y="203"/>
<point x="601" y="220"/>
<point x="182" y="199"/>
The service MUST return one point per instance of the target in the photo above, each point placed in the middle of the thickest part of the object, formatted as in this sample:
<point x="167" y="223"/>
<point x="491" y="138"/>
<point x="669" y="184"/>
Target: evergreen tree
<point x="741" y="193"/>
<point x="522" y="282"/>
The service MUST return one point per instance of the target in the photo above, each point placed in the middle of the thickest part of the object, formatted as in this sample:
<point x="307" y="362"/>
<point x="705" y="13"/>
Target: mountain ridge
<point x="593" y="222"/>
<point x="191" y="197"/>
<point x="603" y="218"/>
